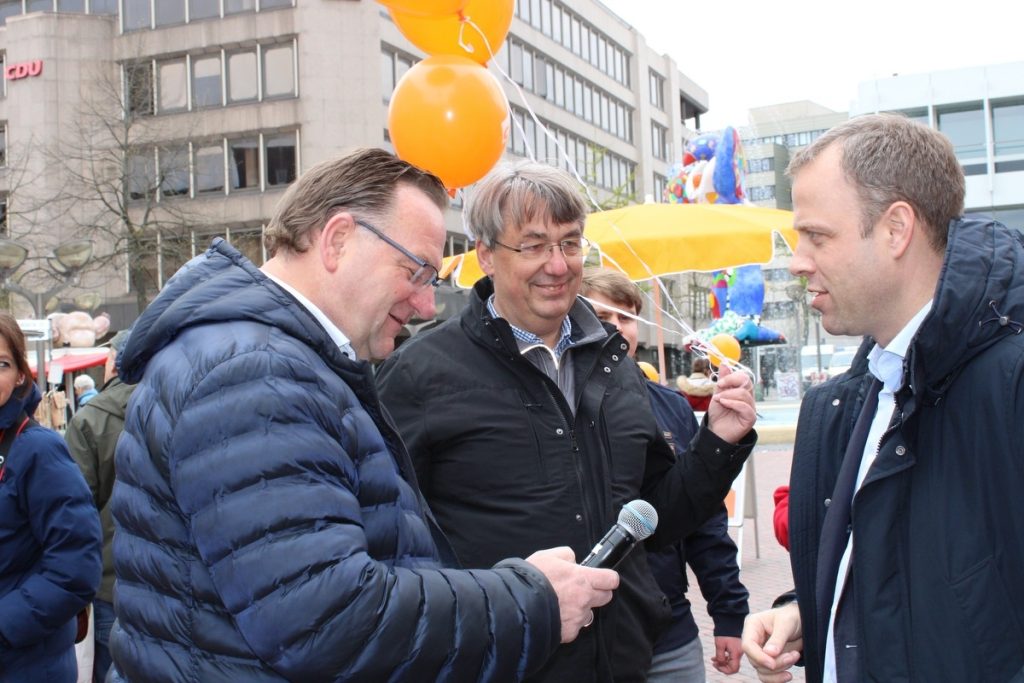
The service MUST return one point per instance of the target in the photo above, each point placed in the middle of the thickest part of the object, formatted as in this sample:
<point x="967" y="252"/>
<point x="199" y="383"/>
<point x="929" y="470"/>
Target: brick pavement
<point x="765" y="577"/>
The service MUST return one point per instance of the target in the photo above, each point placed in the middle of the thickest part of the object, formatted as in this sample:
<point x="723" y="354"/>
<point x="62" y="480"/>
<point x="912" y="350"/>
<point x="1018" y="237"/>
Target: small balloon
<point x="723" y="347"/>
<point x="439" y="35"/>
<point x="425" y="8"/>
<point x="649" y="371"/>
<point x="449" y="116"/>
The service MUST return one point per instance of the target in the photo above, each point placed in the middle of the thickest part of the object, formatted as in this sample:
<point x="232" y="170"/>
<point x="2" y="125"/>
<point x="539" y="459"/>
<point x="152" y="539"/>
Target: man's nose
<point x="424" y="304"/>
<point x="801" y="263"/>
<point x="557" y="262"/>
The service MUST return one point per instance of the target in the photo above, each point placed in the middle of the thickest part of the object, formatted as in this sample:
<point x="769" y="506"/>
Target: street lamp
<point x="65" y="263"/>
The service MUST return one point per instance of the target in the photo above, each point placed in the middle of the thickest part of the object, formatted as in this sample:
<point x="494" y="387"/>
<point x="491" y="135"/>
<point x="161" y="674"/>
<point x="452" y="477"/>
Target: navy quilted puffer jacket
<point x="268" y="526"/>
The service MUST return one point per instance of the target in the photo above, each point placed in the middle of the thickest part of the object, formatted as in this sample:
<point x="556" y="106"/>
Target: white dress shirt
<point x="886" y="365"/>
<point x="335" y="333"/>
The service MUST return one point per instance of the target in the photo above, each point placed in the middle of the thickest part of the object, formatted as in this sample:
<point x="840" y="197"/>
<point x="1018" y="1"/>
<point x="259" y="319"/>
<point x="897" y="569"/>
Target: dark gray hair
<point x="514" y="194"/>
<point x="890" y="158"/>
<point x="364" y="180"/>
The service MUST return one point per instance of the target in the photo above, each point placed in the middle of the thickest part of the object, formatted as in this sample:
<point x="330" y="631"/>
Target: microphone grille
<point x="639" y="517"/>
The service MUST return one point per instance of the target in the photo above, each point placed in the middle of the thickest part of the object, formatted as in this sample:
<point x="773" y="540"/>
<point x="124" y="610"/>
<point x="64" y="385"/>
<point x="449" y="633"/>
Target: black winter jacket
<point x="939" y="520"/>
<point x="509" y="468"/>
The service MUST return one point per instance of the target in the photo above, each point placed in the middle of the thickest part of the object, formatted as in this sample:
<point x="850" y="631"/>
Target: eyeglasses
<point x="425" y="275"/>
<point x="532" y="251"/>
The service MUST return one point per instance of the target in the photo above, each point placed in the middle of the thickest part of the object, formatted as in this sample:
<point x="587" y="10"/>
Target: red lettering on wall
<point x="23" y="69"/>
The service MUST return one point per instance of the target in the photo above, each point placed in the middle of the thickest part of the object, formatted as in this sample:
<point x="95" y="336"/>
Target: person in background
<point x="85" y="389"/>
<point x="698" y="387"/>
<point x="710" y="552"/>
<point x="905" y="506"/>
<point x="50" y="535"/>
<point x="91" y="436"/>
<point x="530" y="426"/>
<point x="268" y="523"/>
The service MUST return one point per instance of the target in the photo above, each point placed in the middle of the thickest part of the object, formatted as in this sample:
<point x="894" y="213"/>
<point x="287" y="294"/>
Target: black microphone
<point x="637" y="520"/>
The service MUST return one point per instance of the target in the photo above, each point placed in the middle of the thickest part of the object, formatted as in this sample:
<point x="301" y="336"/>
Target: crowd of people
<point x="265" y="489"/>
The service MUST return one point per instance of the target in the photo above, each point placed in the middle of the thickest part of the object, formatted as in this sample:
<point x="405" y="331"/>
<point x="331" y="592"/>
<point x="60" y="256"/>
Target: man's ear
<point x="901" y="225"/>
<point x="334" y="238"/>
<point x="485" y="256"/>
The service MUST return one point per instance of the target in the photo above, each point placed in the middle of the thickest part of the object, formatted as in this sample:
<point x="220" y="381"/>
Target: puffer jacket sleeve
<point x="266" y="469"/>
<point x="66" y="526"/>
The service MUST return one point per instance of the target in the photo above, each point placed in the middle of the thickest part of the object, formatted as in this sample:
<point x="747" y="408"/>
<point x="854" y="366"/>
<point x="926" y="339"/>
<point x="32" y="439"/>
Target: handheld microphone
<point x="637" y="520"/>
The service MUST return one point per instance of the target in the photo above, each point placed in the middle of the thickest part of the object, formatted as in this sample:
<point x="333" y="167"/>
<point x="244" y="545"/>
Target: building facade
<point x="981" y="110"/>
<point x="151" y="126"/>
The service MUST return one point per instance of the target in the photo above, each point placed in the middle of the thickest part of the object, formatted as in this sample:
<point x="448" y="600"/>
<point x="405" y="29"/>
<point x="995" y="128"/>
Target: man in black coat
<point x="529" y="425"/>
<point x="906" y="514"/>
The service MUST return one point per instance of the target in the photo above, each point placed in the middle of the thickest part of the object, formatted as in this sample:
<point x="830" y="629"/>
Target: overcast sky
<point x="750" y="54"/>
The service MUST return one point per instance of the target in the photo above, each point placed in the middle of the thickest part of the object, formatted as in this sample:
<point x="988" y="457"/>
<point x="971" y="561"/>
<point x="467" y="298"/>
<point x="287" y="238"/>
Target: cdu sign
<point x="23" y="70"/>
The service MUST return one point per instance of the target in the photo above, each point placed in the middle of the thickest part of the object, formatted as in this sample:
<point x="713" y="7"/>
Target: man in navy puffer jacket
<point x="269" y="525"/>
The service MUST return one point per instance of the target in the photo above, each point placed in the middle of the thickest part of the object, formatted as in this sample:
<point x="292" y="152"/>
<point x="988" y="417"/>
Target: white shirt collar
<point x="333" y="330"/>
<point x="887" y="363"/>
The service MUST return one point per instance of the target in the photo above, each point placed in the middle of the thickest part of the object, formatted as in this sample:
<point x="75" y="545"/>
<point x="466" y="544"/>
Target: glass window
<point x="387" y="74"/>
<point x="141" y="174"/>
<point x="249" y="242"/>
<point x="527" y="69"/>
<point x="39" y="5"/>
<point x="209" y="169"/>
<point x="71" y="5"/>
<point x="3" y="145"/>
<point x="402" y="66"/>
<point x="175" y="251"/>
<point x="278" y="71"/>
<point x="280" y="159"/>
<point x="170" y="12"/>
<point x="173" y="84"/>
<point x="206" y="81"/>
<point x="242" y="76"/>
<point x="236" y="6"/>
<point x="139" y="87"/>
<point x="9" y="9"/>
<point x="103" y="6"/>
<point x="1008" y="128"/>
<point x="136" y="14"/>
<point x="516" y="62"/>
<point x="174" y="171"/>
<point x="203" y="9"/>
<point x="4" y="227"/>
<point x="966" y="129"/>
<point x="270" y="4"/>
<point x="244" y="163"/>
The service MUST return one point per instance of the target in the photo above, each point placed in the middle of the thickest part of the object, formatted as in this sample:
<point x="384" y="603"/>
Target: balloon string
<point x="697" y="345"/>
<point x="526" y="103"/>
<point x="463" y="19"/>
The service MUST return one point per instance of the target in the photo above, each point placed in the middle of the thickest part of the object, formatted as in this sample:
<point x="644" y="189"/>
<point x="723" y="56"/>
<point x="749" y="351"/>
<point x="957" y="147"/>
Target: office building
<point x="200" y="112"/>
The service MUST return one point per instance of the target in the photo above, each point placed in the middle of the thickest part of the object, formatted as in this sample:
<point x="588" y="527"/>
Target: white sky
<point x="750" y="54"/>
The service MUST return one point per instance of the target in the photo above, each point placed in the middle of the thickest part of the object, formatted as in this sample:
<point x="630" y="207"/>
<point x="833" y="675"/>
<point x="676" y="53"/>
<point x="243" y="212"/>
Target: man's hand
<point x="731" y="413"/>
<point x="772" y="641"/>
<point x="580" y="590"/>
<point x="728" y="652"/>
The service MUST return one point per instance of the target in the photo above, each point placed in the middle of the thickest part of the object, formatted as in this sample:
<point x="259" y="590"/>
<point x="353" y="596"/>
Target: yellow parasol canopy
<point x="647" y="240"/>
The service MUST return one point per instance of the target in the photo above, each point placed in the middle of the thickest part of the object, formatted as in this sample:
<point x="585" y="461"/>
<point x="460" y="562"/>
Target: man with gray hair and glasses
<point x="269" y="525"/>
<point x="530" y="426"/>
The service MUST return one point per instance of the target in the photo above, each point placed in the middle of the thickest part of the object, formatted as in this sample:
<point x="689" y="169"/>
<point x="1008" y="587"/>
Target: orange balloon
<point x="439" y="35"/>
<point x="726" y="347"/>
<point x="449" y="115"/>
<point x="425" y="8"/>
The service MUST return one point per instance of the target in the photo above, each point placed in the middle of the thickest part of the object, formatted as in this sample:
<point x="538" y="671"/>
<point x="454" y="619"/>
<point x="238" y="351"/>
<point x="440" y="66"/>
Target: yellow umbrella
<point x="648" y="240"/>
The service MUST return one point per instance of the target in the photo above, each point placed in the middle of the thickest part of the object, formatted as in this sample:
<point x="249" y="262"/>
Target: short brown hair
<point x="613" y="285"/>
<point x="11" y="333"/>
<point x="514" y="194"/>
<point x="363" y="180"/>
<point x="890" y="158"/>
